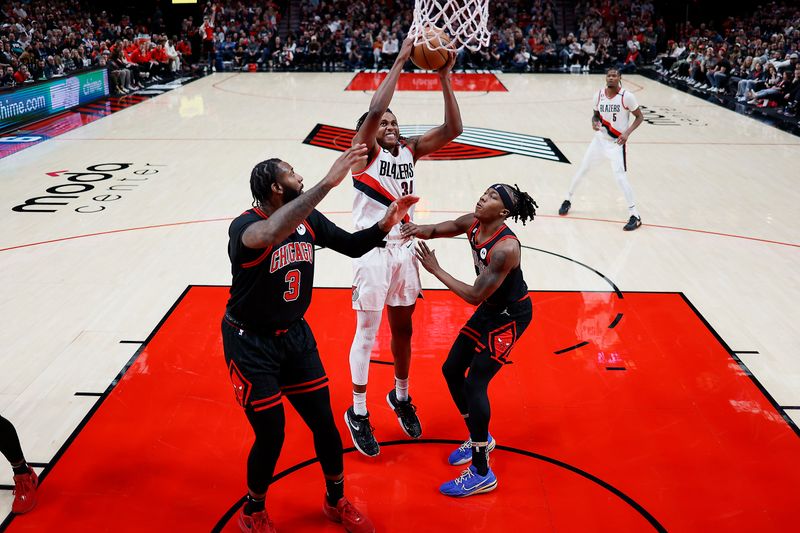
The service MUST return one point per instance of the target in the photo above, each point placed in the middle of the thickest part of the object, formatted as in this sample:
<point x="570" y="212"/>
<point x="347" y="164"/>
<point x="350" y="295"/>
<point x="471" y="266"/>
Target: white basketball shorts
<point x="386" y="276"/>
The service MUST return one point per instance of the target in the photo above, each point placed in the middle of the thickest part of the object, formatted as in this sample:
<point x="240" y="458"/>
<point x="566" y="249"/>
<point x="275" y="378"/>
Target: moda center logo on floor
<point x="92" y="190"/>
<point x="473" y="143"/>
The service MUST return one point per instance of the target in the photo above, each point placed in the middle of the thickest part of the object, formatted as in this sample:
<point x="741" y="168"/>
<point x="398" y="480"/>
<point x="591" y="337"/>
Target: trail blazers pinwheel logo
<point x="473" y="143"/>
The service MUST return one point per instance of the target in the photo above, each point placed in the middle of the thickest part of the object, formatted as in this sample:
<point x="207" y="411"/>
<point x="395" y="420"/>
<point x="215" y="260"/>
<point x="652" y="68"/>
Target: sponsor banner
<point x="28" y="103"/>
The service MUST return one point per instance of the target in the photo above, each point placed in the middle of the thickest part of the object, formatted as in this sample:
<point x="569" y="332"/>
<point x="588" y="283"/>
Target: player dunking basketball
<point x="485" y="342"/>
<point x="611" y="120"/>
<point x="25" y="479"/>
<point x="269" y="348"/>
<point x="388" y="276"/>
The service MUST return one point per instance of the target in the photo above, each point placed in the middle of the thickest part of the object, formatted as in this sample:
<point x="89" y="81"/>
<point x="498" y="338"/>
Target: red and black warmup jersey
<point x="513" y="287"/>
<point x="271" y="287"/>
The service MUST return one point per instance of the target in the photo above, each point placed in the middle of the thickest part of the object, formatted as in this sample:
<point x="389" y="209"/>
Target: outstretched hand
<point x="396" y="211"/>
<point x="405" y="50"/>
<point x="451" y="61"/>
<point x="355" y="156"/>
<point x="427" y="257"/>
<point x="408" y="230"/>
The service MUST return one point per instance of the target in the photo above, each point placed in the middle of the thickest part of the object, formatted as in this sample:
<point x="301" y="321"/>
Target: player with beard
<point x="611" y="121"/>
<point x="486" y="340"/>
<point x="388" y="276"/>
<point x="269" y="349"/>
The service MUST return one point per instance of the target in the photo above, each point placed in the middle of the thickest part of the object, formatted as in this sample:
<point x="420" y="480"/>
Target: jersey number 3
<point x="293" y="279"/>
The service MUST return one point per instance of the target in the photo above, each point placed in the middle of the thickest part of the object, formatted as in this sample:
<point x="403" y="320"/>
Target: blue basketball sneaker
<point x="463" y="454"/>
<point x="469" y="483"/>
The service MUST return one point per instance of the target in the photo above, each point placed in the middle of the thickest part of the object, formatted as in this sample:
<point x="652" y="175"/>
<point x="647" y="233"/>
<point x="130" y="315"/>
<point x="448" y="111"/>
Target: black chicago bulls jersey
<point x="513" y="287"/>
<point x="271" y="287"/>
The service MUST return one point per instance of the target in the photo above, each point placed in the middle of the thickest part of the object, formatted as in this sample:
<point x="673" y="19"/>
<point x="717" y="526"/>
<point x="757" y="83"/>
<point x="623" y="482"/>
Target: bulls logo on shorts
<point x="241" y="387"/>
<point x="502" y="340"/>
<point x="301" y="229"/>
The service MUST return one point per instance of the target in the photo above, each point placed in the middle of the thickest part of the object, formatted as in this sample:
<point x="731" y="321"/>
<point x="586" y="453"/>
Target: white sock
<point x="360" y="403"/>
<point x="401" y="389"/>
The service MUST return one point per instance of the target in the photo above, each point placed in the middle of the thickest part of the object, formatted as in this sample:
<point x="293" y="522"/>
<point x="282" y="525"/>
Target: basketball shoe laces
<point x="406" y="409"/>
<point x="349" y="513"/>
<point x="466" y="446"/>
<point x="462" y="479"/>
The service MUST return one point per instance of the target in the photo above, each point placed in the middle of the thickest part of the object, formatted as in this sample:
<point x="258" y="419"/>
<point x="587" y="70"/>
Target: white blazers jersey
<point x="384" y="179"/>
<point x="615" y="112"/>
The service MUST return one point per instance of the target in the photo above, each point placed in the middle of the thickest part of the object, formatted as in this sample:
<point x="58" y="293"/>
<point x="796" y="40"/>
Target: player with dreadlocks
<point x="269" y="348"/>
<point x="485" y="342"/>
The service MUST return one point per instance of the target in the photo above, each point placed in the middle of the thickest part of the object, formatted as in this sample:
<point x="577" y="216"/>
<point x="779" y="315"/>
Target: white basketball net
<point x="464" y="21"/>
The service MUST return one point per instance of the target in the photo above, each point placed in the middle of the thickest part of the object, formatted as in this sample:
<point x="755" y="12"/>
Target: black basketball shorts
<point x="495" y="329"/>
<point x="264" y="368"/>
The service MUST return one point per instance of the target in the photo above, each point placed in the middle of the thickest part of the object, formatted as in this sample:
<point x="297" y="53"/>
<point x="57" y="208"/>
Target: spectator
<point x="7" y="80"/>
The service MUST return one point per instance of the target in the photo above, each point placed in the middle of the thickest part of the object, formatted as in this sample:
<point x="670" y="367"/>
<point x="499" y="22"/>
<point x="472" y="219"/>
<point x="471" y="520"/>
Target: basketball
<point x="428" y="59"/>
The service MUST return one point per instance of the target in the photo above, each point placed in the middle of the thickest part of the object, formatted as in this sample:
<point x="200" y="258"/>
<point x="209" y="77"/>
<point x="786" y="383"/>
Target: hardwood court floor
<point x="85" y="284"/>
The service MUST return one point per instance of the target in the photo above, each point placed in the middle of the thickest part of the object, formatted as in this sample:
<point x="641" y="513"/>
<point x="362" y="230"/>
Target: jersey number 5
<point x="293" y="279"/>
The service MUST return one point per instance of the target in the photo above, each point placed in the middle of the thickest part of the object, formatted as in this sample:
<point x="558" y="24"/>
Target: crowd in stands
<point x="45" y="40"/>
<point x="753" y="59"/>
<point x="347" y="35"/>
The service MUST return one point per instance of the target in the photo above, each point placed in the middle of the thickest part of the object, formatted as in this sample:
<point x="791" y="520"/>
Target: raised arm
<point x="450" y="228"/>
<point x="505" y="256"/>
<point x="285" y="219"/>
<point x="381" y="99"/>
<point x="357" y="244"/>
<point x="438" y="137"/>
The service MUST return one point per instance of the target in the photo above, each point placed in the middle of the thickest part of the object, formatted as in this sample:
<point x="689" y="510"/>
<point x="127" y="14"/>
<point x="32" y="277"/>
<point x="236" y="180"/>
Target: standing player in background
<point x="269" y="349"/>
<point x="388" y="276"/>
<point x="485" y="342"/>
<point x="25" y="479"/>
<point x="207" y="34"/>
<point x="611" y="120"/>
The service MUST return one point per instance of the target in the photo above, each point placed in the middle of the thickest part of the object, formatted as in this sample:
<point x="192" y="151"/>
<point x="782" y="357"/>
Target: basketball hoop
<point x="465" y="21"/>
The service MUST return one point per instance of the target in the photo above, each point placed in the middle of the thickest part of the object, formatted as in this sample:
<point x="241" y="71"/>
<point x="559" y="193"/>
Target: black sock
<point x="251" y="505"/>
<point x="22" y="468"/>
<point x="480" y="459"/>
<point x="334" y="490"/>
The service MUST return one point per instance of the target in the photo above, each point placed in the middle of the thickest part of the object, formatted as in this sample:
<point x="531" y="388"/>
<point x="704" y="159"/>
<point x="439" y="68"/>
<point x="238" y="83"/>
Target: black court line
<point x="616" y="368"/>
<point x="565" y="350"/>
<point x="49" y="466"/>
<point x="131" y="342"/>
<point x="375" y="361"/>
<point x="575" y="470"/>
<point x="616" y="321"/>
<point x="744" y="368"/>
<point x="6" y="487"/>
<point x="745" y="352"/>
<point x="38" y="465"/>
<point x="88" y="394"/>
<point x="791" y="407"/>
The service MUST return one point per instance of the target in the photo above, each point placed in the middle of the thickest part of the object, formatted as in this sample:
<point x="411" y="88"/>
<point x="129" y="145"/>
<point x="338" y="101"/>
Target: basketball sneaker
<point x="564" y="209"/>
<point x="255" y="523"/>
<point x="361" y="433"/>
<point x="469" y="483"/>
<point x="406" y="414"/>
<point x="463" y="454"/>
<point x="347" y="514"/>
<point x="633" y="223"/>
<point x="25" y="486"/>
